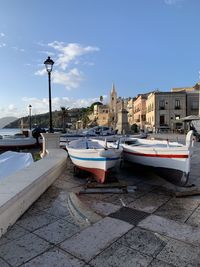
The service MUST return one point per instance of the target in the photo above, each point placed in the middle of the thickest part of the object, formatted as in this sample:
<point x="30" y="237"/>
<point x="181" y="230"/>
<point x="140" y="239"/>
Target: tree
<point x="101" y="98"/>
<point x="85" y="121"/>
<point x="64" y="117"/>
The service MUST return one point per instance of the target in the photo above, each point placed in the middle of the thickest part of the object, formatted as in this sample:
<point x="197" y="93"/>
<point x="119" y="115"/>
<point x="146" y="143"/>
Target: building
<point x="101" y="115"/>
<point x="193" y="98"/>
<point x="163" y="109"/>
<point x="130" y="110"/>
<point x="139" y="111"/>
<point x="150" y="113"/>
<point x="107" y="115"/>
<point x="155" y="111"/>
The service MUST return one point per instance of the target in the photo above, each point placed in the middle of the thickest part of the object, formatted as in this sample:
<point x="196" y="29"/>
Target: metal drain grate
<point x="129" y="215"/>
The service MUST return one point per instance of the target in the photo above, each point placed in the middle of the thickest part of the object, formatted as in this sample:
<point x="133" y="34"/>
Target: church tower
<point x="113" y="100"/>
<point x="113" y="106"/>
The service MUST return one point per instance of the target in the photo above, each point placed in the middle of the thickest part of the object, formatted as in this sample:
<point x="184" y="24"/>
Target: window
<point x="143" y="117"/>
<point x="177" y="104"/>
<point x="162" y="104"/>
<point x="195" y="105"/>
<point x="162" y="120"/>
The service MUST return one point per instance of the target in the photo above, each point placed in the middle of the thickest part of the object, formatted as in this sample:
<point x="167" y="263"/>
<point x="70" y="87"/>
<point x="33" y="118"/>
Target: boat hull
<point x="15" y="143"/>
<point x="171" y="164"/>
<point x="97" y="162"/>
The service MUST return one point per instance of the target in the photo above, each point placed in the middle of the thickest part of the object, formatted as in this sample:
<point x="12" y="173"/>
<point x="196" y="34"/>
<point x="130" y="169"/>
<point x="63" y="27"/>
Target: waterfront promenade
<point x="146" y="227"/>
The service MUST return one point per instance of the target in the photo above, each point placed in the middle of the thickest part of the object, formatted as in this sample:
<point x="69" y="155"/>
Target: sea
<point x="10" y="131"/>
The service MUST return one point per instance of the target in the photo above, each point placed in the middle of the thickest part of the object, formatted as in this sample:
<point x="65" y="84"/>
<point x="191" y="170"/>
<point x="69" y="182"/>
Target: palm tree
<point x="85" y="121"/>
<point x="64" y="117"/>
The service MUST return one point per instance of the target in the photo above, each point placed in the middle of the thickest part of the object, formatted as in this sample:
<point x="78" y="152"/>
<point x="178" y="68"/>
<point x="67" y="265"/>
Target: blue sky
<point x="140" y="45"/>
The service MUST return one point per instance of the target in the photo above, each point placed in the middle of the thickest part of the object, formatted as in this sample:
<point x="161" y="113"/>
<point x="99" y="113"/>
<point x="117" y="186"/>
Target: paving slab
<point x="149" y="202"/>
<point x="55" y="258"/>
<point x="121" y="199"/>
<point x="180" y="254"/>
<point x="13" y="233"/>
<point x="103" y="208"/>
<point x="92" y="240"/>
<point x="58" y="209"/>
<point x="119" y="255"/>
<point x="34" y="219"/>
<point x="144" y="241"/>
<point x="178" y="209"/>
<point x="58" y="231"/>
<point x="44" y="202"/>
<point x="194" y="219"/>
<point x="23" y="249"/>
<point x="172" y="229"/>
<point x="159" y="263"/>
<point x="53" y="193"/>
<point x="3" y="263"/>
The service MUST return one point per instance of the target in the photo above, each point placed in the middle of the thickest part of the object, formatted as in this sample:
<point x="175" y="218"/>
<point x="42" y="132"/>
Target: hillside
<point x="6" y="120"/>
<point x="42" y="120"/>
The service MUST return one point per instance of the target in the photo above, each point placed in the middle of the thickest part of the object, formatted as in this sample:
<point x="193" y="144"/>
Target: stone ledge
<point x="20" y="190"/>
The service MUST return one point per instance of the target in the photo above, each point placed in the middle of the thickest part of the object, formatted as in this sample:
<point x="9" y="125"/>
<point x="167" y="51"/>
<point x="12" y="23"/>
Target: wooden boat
<point x="15" y="142"/>
<point x="95" y="156"/>
<point x="170" y="160"/>
<point x="20" y="140"/>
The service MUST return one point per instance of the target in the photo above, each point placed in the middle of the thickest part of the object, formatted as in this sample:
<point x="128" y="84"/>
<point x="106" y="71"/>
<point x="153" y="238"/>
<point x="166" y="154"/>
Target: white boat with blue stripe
<point x="95" y="156"/>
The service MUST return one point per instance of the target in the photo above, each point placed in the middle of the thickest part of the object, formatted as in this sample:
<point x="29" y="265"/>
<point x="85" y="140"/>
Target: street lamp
<point x="30" y="116"/>
<point x="49" y="66"/>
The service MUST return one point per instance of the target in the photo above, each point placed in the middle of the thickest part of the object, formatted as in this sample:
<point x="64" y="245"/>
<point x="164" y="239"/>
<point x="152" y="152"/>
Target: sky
<point x="139" y="45"/>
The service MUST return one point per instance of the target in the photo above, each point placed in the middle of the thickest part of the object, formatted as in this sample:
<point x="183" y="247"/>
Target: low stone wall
<point x="20" y="190"/>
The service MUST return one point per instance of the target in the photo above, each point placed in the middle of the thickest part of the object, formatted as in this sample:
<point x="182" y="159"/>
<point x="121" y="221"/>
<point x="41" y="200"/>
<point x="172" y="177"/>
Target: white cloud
<point x="48" y="53"/>
<point x="70" y="53"/>
<point x="10" y="110"/>
<point x="66" y="55"/>
<point x="2" y="34"/>
<point x="41" y="72"/>
<point x="2" y="45"/>
<point x="18" y="49"/>
<point x="70" y="80"/>
<point x="172" y="2"/>
<point x="42" y="105"/>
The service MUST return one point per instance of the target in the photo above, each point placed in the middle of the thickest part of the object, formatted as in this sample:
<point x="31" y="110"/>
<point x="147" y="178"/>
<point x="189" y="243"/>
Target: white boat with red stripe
<point x="170" y="160"/>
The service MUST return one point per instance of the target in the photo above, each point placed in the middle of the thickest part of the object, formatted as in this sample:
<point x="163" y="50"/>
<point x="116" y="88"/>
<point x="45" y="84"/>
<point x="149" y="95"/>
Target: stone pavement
<point x="147" y="227"/>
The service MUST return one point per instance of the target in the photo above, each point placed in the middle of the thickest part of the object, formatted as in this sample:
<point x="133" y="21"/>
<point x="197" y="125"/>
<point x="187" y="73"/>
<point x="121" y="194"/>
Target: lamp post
<point x="30" y="126"/>
<point x="49" y="66"/>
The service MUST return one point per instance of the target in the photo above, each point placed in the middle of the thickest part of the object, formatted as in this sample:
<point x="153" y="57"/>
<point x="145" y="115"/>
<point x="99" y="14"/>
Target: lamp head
<point x="49" y="64"/>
